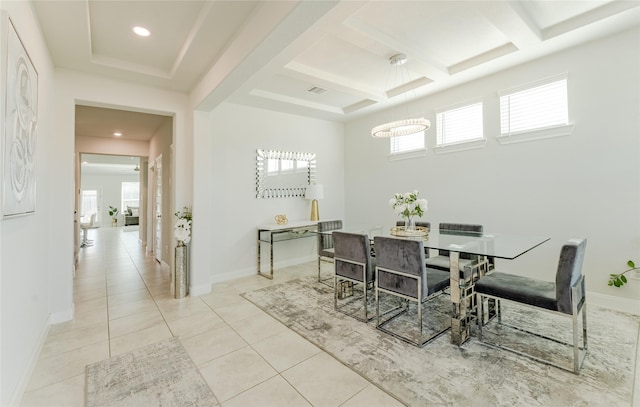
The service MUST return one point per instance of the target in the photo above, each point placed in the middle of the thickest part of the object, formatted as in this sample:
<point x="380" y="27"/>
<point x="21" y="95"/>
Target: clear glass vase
<point x="409" y="224"/>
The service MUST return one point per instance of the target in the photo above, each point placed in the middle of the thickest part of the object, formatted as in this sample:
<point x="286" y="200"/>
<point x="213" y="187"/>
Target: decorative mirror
<point x="282" y="174"/>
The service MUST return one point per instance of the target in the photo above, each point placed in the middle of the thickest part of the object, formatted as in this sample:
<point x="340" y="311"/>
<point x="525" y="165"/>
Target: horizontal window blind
<point x="130" y="194"/>
<point x="460" y="124"/>
<point x="403" y="144"/>
<point x="534" y="108"/>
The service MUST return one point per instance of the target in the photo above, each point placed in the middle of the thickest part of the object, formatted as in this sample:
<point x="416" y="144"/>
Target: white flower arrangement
<point x="182" y="228"/>
<point x="408" y="204"/>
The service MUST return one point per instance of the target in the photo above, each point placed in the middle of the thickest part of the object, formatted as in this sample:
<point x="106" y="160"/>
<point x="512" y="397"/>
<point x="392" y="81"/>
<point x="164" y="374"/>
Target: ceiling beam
<point x="512" y="20"/>
<point x="272" y="31"/>
<point x="331" y="81"/>
<point x="420" y="60"/>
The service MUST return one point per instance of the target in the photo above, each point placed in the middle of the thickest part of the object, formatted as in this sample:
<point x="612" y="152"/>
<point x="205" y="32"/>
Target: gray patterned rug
<point x="474" y="374"/>
<point x="161" y="374"/>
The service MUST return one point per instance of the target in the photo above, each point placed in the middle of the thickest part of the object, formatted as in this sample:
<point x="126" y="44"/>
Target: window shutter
<point x="403" y="144"/>
<point x="460" y="124"/>
<point x="534" y="108"/>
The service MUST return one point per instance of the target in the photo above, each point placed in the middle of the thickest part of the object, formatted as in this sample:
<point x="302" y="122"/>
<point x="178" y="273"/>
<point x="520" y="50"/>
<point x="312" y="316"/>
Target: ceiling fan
<point x="137" y="168"/>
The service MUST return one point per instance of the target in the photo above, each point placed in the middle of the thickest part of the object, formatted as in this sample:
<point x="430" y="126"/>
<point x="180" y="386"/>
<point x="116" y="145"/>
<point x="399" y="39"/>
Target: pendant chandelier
<point x="401" y="127"/>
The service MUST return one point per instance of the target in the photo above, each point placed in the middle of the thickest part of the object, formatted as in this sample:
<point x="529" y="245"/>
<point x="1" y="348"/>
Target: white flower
<point x="408" y="204"/>
<point x="183" y="235"/>
<point x="423" y="204"/>
<point x="182" y="228"/>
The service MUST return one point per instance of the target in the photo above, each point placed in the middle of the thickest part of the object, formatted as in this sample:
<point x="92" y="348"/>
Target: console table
<point x="274" y="233"/>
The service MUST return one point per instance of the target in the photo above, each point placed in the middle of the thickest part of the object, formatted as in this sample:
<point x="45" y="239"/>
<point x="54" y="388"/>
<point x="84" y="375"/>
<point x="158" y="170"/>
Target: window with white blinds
<point x="130" y="194"/>
<point x="405" y="144"/>
<point x="459" y="125"/>
<point x="534" y="108"/>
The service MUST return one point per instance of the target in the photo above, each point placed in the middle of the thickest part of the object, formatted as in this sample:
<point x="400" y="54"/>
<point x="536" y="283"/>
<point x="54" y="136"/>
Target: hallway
<point x="123" y="302"/>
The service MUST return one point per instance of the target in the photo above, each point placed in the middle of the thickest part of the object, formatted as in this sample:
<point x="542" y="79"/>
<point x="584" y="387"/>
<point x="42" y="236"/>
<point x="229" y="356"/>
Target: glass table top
<point x="498" y="245"/>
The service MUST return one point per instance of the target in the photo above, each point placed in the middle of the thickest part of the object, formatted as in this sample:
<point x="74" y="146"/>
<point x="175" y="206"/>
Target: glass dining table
<point x="483" y="248"/>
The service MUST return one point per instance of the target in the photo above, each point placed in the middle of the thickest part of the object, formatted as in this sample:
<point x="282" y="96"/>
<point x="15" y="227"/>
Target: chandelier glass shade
<point x="401" y="127"/>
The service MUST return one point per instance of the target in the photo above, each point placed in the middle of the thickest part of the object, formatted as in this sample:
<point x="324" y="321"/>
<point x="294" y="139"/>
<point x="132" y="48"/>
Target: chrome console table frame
<point x="271" y="234"/>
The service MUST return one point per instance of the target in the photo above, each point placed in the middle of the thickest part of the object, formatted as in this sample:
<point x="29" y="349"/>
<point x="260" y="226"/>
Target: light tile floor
<point x="123" y="301"/>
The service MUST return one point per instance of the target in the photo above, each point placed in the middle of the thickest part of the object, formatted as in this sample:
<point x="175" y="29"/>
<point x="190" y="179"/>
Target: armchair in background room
<point x="131" y="216"/>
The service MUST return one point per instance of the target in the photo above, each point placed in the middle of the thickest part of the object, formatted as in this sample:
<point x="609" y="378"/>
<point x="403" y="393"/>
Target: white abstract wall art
<point x="19" y="117"/>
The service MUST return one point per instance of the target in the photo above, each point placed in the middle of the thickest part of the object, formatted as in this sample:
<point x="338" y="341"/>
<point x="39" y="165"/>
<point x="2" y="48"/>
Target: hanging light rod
<point x="400" y="127"/>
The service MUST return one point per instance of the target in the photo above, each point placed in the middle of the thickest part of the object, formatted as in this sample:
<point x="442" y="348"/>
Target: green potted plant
<point x="619" y="280"/>
<point x="113" y="212"/>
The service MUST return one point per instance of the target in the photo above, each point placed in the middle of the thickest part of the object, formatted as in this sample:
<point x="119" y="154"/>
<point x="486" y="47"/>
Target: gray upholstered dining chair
<point x="353" y="265"/>
<point x="565" y="296"/>
<point x="423" y="224"/>
<point x="326" y="253"/>
<point x="401" y="272"/>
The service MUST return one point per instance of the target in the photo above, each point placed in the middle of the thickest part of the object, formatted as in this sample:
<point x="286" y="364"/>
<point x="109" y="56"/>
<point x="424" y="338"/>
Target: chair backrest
<point x="569" y="273"/>
<point x="423" y="224"/>
<point x="326" y="241"/>
<point x="403" y="255"/>
<point x="350" y="248"/>
<point x="92" y="222"/>
<point x="459" y="228"/>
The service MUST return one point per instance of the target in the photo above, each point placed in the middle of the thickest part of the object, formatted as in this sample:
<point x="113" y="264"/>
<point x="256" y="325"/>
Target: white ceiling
<point x="102" y="164"/>
<point x="269" y="53"/>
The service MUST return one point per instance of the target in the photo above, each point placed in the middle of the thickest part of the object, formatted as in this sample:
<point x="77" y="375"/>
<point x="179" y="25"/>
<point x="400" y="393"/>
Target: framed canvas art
<point x="19" y="119"/>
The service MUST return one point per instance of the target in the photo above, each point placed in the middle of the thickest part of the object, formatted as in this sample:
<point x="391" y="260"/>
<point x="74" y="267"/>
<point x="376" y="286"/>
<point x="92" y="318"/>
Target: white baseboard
<point x="205" y="288"/>
<point x="16" y="397"/>
<point x="63" y="316"/>
<point x="232" y="275"/>
<point x="627" y="305"/>
<point x="199" y="289"/>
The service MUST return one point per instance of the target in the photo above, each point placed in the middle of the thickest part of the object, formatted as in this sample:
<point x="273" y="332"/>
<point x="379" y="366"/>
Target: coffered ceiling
<point x="324" y="59"/>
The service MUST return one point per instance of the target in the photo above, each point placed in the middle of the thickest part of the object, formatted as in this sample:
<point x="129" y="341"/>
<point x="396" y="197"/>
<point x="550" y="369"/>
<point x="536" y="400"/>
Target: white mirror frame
<point x="264" y="191"/>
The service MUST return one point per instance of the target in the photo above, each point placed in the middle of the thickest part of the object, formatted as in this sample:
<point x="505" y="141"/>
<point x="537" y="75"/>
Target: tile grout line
<point x="135" y="264"/>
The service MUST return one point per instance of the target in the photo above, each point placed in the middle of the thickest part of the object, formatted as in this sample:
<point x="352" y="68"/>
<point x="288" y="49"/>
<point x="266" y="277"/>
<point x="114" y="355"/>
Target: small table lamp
<point x="314" y="192"/>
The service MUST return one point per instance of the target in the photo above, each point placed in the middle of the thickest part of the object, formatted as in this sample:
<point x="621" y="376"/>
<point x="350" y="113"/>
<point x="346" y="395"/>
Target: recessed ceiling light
<point x="141" y="31"/>
<point x="117" y="134"/>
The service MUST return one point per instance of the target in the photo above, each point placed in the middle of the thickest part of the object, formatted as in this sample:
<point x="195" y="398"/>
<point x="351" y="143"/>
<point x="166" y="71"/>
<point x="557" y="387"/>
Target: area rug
<point x="472" y="374"/>
<point x="161" y="374"/>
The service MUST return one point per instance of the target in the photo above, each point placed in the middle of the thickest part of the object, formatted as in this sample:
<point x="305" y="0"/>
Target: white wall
<point x="234" y="212"/>
<point x="28" y="259"/>
<point x="583" y="185"/>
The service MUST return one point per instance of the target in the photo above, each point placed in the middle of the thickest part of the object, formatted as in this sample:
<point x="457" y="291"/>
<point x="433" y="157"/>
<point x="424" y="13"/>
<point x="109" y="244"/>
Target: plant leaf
<point x="617" y="283"/>
<point x="623" y="278"/>
<point x="631" y="264"/>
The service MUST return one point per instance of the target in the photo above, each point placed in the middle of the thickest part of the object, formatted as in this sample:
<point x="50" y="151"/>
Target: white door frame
<point x="157" y="209"/>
